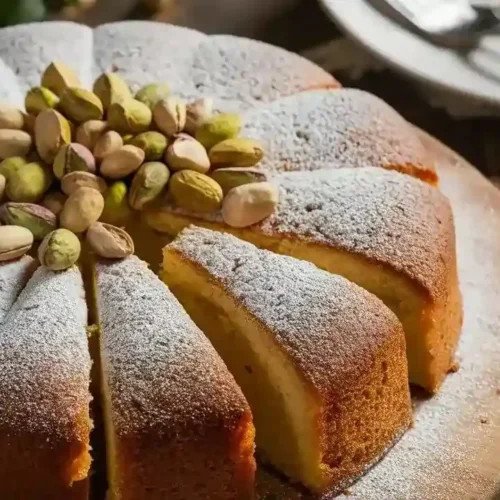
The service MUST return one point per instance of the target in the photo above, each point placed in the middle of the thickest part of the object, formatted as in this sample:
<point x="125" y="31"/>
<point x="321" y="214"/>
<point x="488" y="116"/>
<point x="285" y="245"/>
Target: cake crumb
<point x="455" y="366"/>
<point x="484" y="420"/>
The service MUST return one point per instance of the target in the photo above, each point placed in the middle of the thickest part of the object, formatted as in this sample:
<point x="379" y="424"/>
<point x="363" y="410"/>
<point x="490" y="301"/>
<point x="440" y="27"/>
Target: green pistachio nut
<point x="148" y="184"/>
<point x="152" y="93"/>
<point x="81" y="105"/>
<point x="58" y="77"/>
<point x="152" y="143"/>
<point x="11" y="164"/>
<point x="116" y="207"/>
<point x="229" y="178"/>
<point x="111" y="88"/>
<point x="39" y="99"/>
<point x="218" y="128"/>
<point x="29" y="183"/>
<point x="59" y="250"/>
<point x="129" y="117"/>
<point x="39" y="220"/>
<point x="237" y="152"/>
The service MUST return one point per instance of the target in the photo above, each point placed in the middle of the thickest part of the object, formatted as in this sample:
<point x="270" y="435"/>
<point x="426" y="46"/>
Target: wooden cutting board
<point x="453" y="451"/>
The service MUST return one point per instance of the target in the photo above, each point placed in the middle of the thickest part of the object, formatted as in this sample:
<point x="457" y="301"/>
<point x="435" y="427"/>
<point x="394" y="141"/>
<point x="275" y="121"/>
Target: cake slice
<point x="13" y="277"/>
<point x="329" y="129"/>
<point x="319" y="359"/>
<point x="389" y="233"/>
<point x="44" y="391"/>
<point x="177" y="425"/>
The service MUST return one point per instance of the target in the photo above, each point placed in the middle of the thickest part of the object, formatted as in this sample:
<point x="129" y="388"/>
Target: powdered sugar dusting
<point x="333" y="129"/>
<point x="13" y="277"/>
<point x="44" y="359"/>
<point x="162" y="372"/>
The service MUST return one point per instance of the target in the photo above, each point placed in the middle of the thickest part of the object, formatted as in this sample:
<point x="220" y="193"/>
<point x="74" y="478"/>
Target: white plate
<point x="475" y="74"/>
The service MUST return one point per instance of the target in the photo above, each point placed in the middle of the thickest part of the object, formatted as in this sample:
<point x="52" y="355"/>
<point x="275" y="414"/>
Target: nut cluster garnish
<point x="78" y="163"/>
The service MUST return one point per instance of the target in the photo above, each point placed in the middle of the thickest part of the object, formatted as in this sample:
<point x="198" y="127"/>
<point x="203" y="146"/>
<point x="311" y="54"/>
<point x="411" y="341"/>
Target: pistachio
<point x="82" y="208"/>
<point x="123" y="162"/>
<point x="153" y="144"/>
<point x="127" y="138"/>
<point x="89" y="132"/>
<point x="229" y="178"/>
<point x="54" y="201"/>
<point x="170" y="115"/>
<point x="109" y="241"/>
<point x="73" y="157"/>
<point x="29" y="123"/>
<point x="218" y="129"/>
<point x="195" y="192"/>
<point x="3" y="182"/>
<point x="29" y="183"/>
<point x="59" y="250"/>
<point x="10" y="117"/>
<point x="116" y="207"/>
<point x="108" y="143"/>
<point x="39" y="99"/>
<point x="39" y="220"/>
<point x="15" y="241"/>
<point x="152" y="93"/>
<point x="197" y="113"/>
<point x="52" y="131"/>
<point x="75" y="180"/>
<point x="58" y="77"/>
<point x="14" y="143"/>
<point x="148" y="183"/>
<point x="111" y="88"/>
<point x="248" y="204"/>
<point x="186" y="153"/>
<point x="129" y="117"/>
<point x="237" y="152"/>
<point x="81" y="105"/>
<point x="12" y="164"/>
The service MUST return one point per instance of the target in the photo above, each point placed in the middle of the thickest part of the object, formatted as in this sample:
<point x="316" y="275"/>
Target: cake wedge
<point x="318" y="358"/>
<point x="177" y="425"/>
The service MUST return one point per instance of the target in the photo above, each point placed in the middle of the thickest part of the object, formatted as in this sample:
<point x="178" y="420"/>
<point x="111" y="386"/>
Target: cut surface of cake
<point x="44" y="391"/>
<point x="318" y="358"/>
<point x="177" y="425"/>
<point x="387" y="232"/>
<point x="13" y="276"/>
<point x="345" y="128"/>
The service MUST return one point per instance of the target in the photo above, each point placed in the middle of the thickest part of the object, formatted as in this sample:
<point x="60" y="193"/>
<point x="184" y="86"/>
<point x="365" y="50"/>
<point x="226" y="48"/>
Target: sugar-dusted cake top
<point x="327" y="325"/>
<point x="45" y="375"/>
<point x="162" y="372"/>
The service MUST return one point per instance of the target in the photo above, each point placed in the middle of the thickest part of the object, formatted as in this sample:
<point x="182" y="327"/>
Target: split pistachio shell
<point x="218" y="129"/>
<point x="237" y="152"/>
<point x="37" y="219"/>
<point x="15" y="241"/>
<point x="59" y="250"/>
<point x="111" y="88"/>
<point x="88" y="133"/>
<point x="10" y="117"/>
<point x="108" y="143"/>
<point x="75" y="180"/>
<point x="14" y="143"/>
<point x="123" y="162"/>
<point x="197" y="113"/>
<point x="29" y="183"/>
<point x="39" y="99"/>
<point x="186" y="153"/>
<point x="58" y="77"/>
<point x="82" y="209"/>
<point x="109" y="242"/>
<point x="73" y="157"/>
<point x="170" y="115"/>
<point x="52" y="131"/>
<point x="148" y="183"/>
<point x="81" y="105"/>
<point x="129" y="117"/>
<point x="152" y="93"/>
<point x="152" y="143"/>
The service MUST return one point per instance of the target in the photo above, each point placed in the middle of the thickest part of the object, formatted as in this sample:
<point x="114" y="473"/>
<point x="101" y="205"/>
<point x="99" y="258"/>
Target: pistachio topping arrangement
<point x="77" y="163"/>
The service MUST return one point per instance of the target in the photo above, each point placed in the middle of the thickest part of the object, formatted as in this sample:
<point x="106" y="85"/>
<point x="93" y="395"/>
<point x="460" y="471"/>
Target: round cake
<point x="113" y="141"/>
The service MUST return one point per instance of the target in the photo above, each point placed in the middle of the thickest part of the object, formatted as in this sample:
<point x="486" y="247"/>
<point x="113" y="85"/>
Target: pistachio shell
<point x="129" y="117"/>
<point x="54" y="201"/>
<point x="152" y="143"/>
<point x="75" y="180"/>
<point x="15" y="241"/>
<point x="109" y="241"/>
<point x="108" y="143"/>
<point x="237" y="152"/>
<point x="195" y="192"/>
<point x="14" y="143"/>
<point x="59" y="250"/>
<point x="11" y="164"/>
<point x="29" y="123"/>
<point x="10" y="117"/>
<point x="148" y="183"/>
<point x="248" y="204"/>
<point x="116" y="207"/>
<point x="3" y="183"/>
<point x="170" y="115"/>
<point x="73" y="157"/>
<point x="229" y="178"/>
<point x="29" y="183"/>
<point x="52" y="131"/>
<point x="186" y="153"/>
<point x="111" y="88"/>
<point x="58" y="77"/>
<point x="89" y="132"/>
<point x="123" y="162"/>
<point x="81" y="105"/>
<point x="39" y="99"/>
<point x="39" y="220"/>
<point x="152" y="93"/>
<point x="218" y="129"/>
<point x="82" y="209"/>
<point x="197" y="113"/>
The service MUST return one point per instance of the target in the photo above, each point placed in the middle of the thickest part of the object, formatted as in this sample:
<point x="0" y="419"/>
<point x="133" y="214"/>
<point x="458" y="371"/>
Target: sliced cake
<point x="177" y="425"/>
<point x="345" y="128"/>
<point x="390" y="233"/>
<point x="319" y="359"/>
<point x="44" y="391"/>
<point x="13" y="276"/>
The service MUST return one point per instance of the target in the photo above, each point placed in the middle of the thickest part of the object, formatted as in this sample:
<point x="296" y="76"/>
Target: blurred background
<point x="303" y="27"/>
